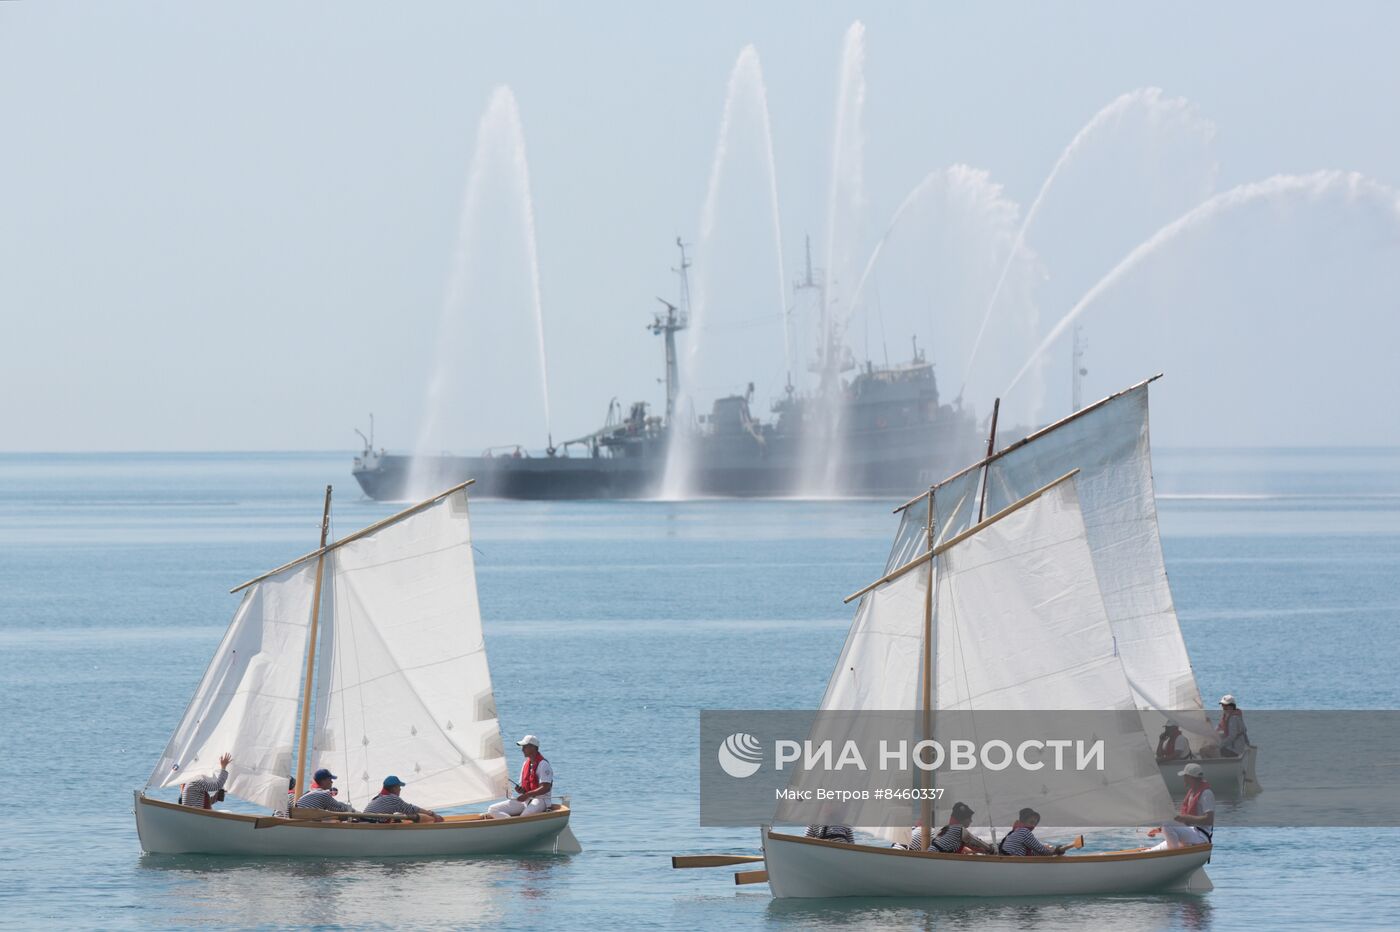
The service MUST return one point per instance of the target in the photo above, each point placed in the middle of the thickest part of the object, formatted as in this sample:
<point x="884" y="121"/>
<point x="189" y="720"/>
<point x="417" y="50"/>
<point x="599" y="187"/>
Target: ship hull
<point x="880" y="463"/>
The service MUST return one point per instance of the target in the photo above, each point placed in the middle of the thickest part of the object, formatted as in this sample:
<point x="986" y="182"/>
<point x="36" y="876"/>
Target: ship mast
<point x="668" y="324"/>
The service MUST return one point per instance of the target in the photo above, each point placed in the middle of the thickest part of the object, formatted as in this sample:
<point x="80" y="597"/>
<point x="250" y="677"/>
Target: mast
<point x="311" y="647"/>
<point x="991" y="448"/>
<point x="674" y="320"/>
<point x="925" y="777"/>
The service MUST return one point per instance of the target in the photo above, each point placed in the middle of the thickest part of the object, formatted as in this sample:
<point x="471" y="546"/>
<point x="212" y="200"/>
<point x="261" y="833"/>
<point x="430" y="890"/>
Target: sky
<point x="237" y="226"/>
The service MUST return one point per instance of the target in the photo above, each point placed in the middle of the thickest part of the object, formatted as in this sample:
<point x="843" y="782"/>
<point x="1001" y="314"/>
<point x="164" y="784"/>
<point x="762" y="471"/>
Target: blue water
<point x="609" y="626"/>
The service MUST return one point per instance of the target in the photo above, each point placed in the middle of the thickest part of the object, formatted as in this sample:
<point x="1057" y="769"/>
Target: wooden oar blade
<point x="1078" y="842"/>
<point x="713" y="860"/>
<point x="744" y="877"/>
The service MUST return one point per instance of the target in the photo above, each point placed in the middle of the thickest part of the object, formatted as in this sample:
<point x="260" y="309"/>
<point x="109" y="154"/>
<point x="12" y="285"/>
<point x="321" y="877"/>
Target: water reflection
<point x="460" y="893"/>
<point x="1122" y="914"/>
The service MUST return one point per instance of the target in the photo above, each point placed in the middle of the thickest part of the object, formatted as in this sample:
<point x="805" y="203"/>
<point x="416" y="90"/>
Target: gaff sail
<point x="404" y="686"/>
<point x="1109" y="444"/>
<point x="247" y="701"/>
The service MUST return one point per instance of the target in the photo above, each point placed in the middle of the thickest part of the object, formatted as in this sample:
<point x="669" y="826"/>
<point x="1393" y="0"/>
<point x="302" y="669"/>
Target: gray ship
<point x="865" y="430"/>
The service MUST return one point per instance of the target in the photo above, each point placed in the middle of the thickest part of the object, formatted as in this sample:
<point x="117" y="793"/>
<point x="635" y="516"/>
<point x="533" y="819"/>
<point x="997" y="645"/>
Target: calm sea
<point x="609" y="626"/>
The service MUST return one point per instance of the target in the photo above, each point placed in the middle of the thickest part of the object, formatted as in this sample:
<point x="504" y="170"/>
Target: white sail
<point x="403" y="685"/>
<point x="1110" y="447"/>
<point x="1019" y="624"/>
<point x="246" y="704"/>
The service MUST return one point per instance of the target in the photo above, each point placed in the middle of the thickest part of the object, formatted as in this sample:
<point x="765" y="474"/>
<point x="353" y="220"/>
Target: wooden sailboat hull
<point x="808" y="867"/>
<point x="167" y="828"/>
<point x="1229" y="777"/>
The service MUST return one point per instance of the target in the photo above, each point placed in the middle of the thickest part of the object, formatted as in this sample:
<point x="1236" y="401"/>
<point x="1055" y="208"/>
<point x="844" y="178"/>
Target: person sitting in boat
<point x="1171" y="744"/>
<point x="389" y="802"/>
<point x="322" y="796"/>
<point x="536" y="781"/>
<point x="1234" y="740"/>
<point x="840" y="833"/>
<point x="953" y="837"/>
<point x="1196" y="820"/>
<point x="204" y="792"/>
<point x="1021" y="840"/>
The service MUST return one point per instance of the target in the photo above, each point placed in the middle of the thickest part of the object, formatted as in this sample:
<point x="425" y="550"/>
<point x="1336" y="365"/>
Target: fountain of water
<point x="1166" y="138"/>
<point x="479" y="338"/>
<point x="1310" y="217"/>
<point x="845" y="214"/>
<point x="746" y="94"/>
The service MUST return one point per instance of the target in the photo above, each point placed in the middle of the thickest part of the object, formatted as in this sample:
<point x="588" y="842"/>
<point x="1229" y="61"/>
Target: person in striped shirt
<point x="831" y="833"/>
<point x="204" y="792"/>
<point x="322" y="796"/>
<point x="1021" y="840"/>
<point x="389" y="802"/>
<point x="953" y="837"/>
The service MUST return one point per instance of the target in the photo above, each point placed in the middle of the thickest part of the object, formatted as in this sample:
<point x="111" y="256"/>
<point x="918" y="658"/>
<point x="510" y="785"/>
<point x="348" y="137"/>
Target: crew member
<point x="204" y="792"/>
<point x="1171" y="744"/>
<point x="1234" y="740"/>
<point x="831" y="833"/>
<point x="322" y="796"/>
<point x="389" y="802"/>
<point x="953" y="837"/>
<point x="1196" y="820"/>
<point x="1021" y="840"/>
<point x="536" y="782"/>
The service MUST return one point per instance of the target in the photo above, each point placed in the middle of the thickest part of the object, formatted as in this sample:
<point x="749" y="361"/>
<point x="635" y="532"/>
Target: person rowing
<point x="953" y="837"/>
<point x="1172" y="745"/>
<point x="1021" y="840"/>
<point x="390" y="802"/>
<point x="322" y="795"/>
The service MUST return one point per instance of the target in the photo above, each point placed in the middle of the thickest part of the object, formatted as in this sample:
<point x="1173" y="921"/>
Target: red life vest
<point x="529" y="780"/>
<point x="1193" y="796"/>
<point x="1225" y="716"/>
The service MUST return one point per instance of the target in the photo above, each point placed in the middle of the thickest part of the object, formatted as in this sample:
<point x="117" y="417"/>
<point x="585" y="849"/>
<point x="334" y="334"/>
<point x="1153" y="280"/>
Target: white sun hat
<point x="1227" y="699"/>
<point x="529" y="739"/>
<point x="1192" y="770"/>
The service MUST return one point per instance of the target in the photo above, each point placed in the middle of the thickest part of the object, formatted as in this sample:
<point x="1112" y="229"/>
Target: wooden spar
<point x="959" y="538"/>
<point x="926" y="778"/>
<point x="311" y="648"/>
<point x="986" y="464"/>
<point x="744" y="877"/>
<point x="1027" y="439"/>
<point x="378" y="525"/>
<point x="713" y="860"/>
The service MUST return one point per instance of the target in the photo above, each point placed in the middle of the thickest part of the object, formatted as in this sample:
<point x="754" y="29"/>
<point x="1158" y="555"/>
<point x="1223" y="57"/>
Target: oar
<point x="323" y="816"/>
<point x="713" y="860"/>
<point x="744" y="877"/>
<point x="1077" y="843"/>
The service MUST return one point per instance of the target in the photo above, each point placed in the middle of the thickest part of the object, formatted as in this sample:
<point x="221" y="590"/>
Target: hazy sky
<point x="231" y="226"/>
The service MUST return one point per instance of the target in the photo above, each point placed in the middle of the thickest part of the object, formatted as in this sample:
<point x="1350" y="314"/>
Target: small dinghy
<point x="812" y="867"/>
<point x="378" y="633"/>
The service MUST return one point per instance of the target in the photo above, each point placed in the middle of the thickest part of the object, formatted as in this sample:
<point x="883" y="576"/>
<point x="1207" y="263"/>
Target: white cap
<point x="529" y="739"/>
<point x="1171" y="723"/>
<point x="1227" y="699"/>
<point x="1192" y="770"/>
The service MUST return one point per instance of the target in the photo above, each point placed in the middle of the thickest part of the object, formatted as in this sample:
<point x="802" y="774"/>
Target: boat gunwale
<point x="1136" y="854"/>
<point x="561" y="811"/>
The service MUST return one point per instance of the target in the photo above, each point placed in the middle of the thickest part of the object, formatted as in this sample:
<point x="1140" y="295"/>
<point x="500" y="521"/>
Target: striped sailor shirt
<point x="831" y="833"/>
<point x="322" y="799"/>
<point x="389" y="803"/>
<point x="1021" y="842"/>
<point x="199" y="790"/>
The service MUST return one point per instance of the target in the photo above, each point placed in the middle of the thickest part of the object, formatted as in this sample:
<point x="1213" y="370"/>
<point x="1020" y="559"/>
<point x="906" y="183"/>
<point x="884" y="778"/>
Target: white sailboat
<point x="384" y="625"/>
<point x="1109" y="443"/>
<point x="1006" y="615"/>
